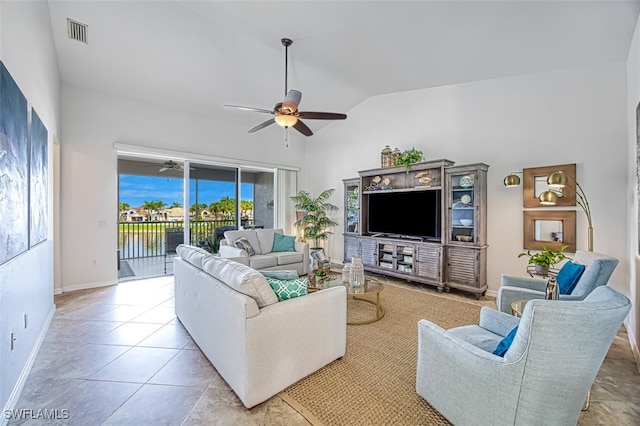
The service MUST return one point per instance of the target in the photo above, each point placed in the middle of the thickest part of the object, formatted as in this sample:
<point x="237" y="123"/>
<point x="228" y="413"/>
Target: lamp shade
<point x="511" y="180"/>
<point x="548" y="198"/>
<point x="557" y="180"/>
<point x="286" y="120"/>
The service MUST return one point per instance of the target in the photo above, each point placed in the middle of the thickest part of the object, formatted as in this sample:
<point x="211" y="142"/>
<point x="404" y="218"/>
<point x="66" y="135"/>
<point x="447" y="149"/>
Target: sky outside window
<point x="135" y="190"/>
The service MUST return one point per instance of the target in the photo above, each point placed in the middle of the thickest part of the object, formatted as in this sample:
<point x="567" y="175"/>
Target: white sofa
<point x="264" y="259"/>
<point x="259" y="345"/>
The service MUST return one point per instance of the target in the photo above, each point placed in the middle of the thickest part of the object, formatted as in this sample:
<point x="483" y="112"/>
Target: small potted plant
<point x="544" y="259"/>
<point x="409" y="157"/>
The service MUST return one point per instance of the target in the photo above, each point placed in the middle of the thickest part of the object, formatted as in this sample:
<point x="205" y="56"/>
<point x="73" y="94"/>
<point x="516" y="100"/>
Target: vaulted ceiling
<point x="199" y="55"/>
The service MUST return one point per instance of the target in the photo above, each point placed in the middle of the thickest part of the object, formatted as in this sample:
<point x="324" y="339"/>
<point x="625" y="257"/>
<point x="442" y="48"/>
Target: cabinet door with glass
<point x="466" y="202"/>
<point x="352" y="206"/>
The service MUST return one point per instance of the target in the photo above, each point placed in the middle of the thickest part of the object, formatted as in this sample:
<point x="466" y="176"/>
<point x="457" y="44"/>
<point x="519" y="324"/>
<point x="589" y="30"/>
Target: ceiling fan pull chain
<point x="286" y="137"/>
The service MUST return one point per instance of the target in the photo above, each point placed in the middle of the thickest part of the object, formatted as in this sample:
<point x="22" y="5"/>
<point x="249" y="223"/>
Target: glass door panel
<point x="462" y="220"/>
<point x="213" y="191"/>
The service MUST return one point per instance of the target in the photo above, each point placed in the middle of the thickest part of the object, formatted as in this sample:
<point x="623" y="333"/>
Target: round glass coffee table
<point x="370" y="287"/>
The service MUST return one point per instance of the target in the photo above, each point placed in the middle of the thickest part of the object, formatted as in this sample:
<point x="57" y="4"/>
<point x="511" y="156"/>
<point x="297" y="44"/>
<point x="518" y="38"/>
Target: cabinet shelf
<point x="413" y="189"/>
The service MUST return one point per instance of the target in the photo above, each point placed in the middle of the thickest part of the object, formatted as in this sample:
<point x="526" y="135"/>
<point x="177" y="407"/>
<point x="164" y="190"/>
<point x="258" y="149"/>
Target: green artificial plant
<point x="314" y="219"/>
<point x="409" y="157"/>
<point x="547" y="257"/>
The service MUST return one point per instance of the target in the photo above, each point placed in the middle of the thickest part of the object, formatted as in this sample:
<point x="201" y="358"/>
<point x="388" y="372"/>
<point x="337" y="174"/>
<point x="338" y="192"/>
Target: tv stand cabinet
<point x="457" y="259"/>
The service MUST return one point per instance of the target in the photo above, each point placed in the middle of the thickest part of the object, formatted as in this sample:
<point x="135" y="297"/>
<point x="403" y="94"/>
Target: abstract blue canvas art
<point x="14" y="169"/>
<point x="38" y="183"/>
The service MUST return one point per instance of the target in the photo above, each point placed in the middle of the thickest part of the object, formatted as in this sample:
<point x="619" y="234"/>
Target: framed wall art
<point x="14" y="178"/>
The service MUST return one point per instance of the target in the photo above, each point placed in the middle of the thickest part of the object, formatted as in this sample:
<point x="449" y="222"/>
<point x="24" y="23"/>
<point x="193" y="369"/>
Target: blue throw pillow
<point x="505" y="343"/>
<point x="281" y="275"/>
<point x="569" y="276"/>
<point x="283" y="243"/>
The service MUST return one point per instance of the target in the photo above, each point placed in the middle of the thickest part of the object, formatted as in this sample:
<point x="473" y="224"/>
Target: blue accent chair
<point x="599" y="268"/>
<point x="543" y="378"/>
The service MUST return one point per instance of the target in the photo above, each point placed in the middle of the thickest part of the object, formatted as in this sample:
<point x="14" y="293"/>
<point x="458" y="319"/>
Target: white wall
<point x="26" y="282"/>
<point x="633" y="99"/>
<point x="569" y="116"/>
<point x="93" y="122"/>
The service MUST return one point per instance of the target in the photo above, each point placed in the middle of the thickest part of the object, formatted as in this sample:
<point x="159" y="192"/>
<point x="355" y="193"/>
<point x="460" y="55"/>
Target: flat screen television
<point x="405" y="214"/>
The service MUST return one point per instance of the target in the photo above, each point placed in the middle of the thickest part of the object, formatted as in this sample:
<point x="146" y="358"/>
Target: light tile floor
<point x="118" y="356"/>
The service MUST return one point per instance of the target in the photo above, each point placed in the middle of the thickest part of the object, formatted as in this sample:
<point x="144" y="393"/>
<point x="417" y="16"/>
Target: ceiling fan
<point x="286" y="113"/>
<point x="170" y="165"/>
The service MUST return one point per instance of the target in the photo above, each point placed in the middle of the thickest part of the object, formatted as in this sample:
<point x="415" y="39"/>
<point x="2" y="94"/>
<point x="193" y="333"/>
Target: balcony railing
<point x="148" y="239"/>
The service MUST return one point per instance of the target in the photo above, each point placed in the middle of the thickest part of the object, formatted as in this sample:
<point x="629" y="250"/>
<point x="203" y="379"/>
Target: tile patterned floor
<point x="118" y="356"/>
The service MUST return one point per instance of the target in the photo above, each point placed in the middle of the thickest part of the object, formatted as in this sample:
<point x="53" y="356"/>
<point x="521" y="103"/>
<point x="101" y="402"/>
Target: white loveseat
<point x="264" y="259"/>
<point x="259" y="345"/>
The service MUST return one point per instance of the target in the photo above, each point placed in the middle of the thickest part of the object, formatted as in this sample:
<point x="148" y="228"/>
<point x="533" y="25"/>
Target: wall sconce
<point x="270" y="205"/>
<point x="557" y="181"/>
<point x="512" y="179"/>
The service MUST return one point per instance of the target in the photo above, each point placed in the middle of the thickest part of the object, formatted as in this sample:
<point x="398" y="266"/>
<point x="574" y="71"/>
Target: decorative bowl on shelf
<point x="464" y="238"/>
<point x="466" y="181"/>
<point x="466" y="222"/>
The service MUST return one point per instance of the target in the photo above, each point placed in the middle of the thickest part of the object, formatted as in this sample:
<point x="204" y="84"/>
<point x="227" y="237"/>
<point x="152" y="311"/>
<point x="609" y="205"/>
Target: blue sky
<point x="135" y="190"/>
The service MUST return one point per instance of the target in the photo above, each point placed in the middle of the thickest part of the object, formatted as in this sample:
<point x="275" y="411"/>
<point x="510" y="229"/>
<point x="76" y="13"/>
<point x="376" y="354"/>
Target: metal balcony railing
<point x="148" y="239"/>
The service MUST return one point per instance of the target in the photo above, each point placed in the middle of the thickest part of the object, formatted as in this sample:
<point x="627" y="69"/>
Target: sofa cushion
<point x="283" y="243"/>
<point x="244" y="244"/>
<point x="242" y="279"/>
<point x="265" y="237"/>
<point x="249" y="234"/>
<point x="287" y="257"/>
<point x="288" y="289"/>
<point x="193" y="255"/>
<point x="261" y="261"/>
<point x="281" y="275"/>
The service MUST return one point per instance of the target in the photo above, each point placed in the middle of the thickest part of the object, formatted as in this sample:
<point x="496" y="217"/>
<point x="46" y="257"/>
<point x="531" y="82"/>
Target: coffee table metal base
<point x="379" y="310"/>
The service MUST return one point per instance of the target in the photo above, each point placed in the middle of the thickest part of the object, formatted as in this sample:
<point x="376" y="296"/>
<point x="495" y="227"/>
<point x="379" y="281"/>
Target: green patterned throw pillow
<point x="243" y="244"/>
<point x="288" y="289"/>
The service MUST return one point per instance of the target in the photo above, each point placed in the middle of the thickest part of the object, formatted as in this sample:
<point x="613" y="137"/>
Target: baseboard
<point x="634" y="345"/>
<point x="17" y="389"/>
<point x="492" y="293"/>
<point x="87" y="286"/>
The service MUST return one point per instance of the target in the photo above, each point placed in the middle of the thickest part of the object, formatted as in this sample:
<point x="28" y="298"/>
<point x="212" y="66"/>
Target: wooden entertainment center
<point x="438" y="235"/>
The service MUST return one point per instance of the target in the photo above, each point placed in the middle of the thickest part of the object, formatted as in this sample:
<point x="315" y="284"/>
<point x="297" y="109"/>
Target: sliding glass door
<point x="156" y="207"/>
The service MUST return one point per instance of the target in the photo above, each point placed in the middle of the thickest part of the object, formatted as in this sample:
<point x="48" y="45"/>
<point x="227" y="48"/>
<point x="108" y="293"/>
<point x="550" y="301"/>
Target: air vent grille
<point x="77" y="30"/>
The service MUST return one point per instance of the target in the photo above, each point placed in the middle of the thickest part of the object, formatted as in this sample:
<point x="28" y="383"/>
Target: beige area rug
<point x="374" y="383"/>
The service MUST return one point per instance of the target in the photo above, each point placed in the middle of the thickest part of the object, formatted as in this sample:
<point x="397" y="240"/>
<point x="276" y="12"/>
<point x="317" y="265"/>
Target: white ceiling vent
<point x="77" y="30"/>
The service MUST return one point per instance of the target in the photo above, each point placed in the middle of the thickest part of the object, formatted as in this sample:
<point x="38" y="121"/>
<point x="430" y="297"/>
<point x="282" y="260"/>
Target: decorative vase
<point x="345" y="273"/>
<point x="541" y="269"/>
<point x="386" y="157"/>
<point x="356" y="272"/>
<point x="552" y="289"/>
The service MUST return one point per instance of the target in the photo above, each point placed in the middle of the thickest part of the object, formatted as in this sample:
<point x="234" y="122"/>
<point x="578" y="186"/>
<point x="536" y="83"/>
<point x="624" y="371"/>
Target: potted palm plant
<point x="545" y="259"/>
<point x="313" y="218"/>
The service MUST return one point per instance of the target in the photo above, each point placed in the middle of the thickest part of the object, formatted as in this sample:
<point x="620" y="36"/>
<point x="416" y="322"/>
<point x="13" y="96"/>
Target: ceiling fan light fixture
<point x="285" y="120"/>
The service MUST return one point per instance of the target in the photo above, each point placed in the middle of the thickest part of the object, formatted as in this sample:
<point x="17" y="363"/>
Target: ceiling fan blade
<point x="163" y="169"/>
<point x="262" y="125"/>
<point x="322" y="115"/>
<point x="245" y="108"/>
<point x="303" y="128"/>
<point x="292" y="100"/>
